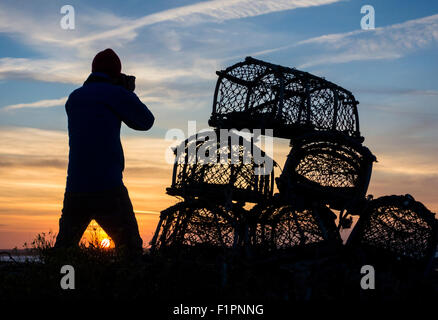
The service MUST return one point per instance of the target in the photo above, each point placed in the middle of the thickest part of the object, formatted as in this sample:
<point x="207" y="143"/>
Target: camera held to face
<point x="126" y="81"/>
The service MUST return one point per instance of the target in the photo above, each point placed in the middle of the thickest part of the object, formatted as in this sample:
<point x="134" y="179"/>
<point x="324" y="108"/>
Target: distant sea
<point x="6" y="258"/>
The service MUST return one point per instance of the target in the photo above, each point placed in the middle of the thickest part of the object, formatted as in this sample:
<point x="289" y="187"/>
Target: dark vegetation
<point x="207" y="275"/>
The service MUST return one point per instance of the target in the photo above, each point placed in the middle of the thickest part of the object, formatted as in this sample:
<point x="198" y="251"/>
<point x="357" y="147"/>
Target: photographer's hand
<point x="130" y="83"/>
<point x="126" y="81"/>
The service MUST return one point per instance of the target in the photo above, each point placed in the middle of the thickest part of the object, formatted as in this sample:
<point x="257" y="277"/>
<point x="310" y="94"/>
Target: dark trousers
<point x="111" y="209"/>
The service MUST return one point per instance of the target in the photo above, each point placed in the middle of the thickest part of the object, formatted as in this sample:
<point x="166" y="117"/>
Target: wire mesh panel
<point x="199" y="224"/>
<point x="215" y="169"/>
<point x="256" y="94"/>
<point x="398" y="226"/>
<point x="283" y="226"/>
<point x="327" y="167"/>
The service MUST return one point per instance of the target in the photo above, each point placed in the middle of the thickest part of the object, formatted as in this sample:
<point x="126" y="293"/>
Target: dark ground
<point x="212" y="276"/>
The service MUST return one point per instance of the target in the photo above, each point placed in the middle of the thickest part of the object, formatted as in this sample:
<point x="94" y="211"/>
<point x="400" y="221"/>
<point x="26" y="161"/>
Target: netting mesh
<point x="397" y="224"/>
<point x="248" y="72"/>
<point x="328" y="167"/>
<point x="197" y="223"/>
<point x="270" y="226"/>
<point x="283" y="226"/>
<point x="256" y="94"/>
<point x="227" y="169"/>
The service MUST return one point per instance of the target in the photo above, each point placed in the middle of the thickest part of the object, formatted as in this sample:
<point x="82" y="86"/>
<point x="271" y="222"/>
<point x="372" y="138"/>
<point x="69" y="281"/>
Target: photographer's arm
<point x="132" y="111"/>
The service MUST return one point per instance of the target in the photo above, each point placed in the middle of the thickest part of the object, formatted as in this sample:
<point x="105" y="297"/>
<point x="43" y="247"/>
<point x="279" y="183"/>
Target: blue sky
<point x="175" y="47"/>
<point x="174" y="54"/>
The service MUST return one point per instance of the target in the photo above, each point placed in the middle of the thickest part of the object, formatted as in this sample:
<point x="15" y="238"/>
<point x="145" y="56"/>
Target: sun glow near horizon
<point x="33" y="167"/>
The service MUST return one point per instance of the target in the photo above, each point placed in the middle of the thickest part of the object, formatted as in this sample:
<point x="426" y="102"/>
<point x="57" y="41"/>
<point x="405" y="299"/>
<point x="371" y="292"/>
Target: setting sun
<point x="96" y="237"/>
<point x="105" y="243"/>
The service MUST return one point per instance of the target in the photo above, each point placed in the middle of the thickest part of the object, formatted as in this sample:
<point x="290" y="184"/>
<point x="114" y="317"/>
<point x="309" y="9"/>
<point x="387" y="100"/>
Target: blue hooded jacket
<point x="95" y="112"/>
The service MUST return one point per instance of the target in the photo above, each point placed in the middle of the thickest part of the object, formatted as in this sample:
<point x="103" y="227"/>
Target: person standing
<point x="94" y="188"/>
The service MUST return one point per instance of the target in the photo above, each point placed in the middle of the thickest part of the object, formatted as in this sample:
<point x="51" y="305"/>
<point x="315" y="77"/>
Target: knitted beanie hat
<point x="107" y="62"/>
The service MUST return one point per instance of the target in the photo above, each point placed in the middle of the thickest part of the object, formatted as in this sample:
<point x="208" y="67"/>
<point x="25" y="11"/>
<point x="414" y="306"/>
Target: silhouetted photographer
<point x="95" y="188"/>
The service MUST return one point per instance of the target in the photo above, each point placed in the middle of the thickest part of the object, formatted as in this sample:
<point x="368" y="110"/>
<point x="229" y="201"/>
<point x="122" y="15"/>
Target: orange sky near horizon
<point x="33" y="166"/>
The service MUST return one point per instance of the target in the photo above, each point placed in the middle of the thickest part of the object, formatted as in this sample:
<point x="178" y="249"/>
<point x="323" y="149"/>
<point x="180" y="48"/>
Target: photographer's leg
<point x="121" y="225"/>
<point x="72" y="224"/>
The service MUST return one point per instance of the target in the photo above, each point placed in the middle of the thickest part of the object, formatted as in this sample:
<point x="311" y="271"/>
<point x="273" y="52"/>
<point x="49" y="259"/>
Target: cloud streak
<point x="390" y="42"/>
<point x="216" y="10"/>
<point x="106" y="26"/>
<point x="50" y="69"/>
<point x="38" y="104"/>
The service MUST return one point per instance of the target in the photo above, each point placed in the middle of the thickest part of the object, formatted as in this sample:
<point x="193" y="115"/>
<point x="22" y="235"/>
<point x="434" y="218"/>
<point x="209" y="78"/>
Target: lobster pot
<point x="256" y="94"/>
<point x="198" y="224"/>
<point x="222" y="170"/>
<point x="398" y="227"/>
<point x="329" y="168"/>
<point x="283" y="226"/>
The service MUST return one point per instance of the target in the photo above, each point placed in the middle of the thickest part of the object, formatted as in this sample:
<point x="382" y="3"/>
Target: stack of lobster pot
<point x="324" y="180"/>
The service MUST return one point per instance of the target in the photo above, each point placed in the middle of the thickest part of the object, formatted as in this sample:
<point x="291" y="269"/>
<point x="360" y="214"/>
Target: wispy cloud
<point x="389" y="42"/>
<point x="216" y="10"/>
<point x="111" y="27"/>
<point x="163" y="85"/>
<point x="409" y="34"/>
<point x="75" y="70"/>
<point x="397" y="91"/>
<point x="38" y="104"/>
<point x="49" y="69"/>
